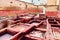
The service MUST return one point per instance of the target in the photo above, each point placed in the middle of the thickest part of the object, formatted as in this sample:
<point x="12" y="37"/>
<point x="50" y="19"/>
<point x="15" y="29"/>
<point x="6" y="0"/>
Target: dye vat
<point x="11" y="22"/>
<point x="26" y="18"/>
<point x="14" y="21"/>
<point x="20" y="27"/>
<point x="5" y="34"/>
<point x="35" y="22"/>
<point x="3" y="24"/>
<point x="42" y="26"/>
<point x="51" y="19"/>
<point x="42" y="17"/>
<point x="34" y="35"/>
<point x="55" y="26"/>
<point x="53" y="22"/>
<point x="58" y="20"/>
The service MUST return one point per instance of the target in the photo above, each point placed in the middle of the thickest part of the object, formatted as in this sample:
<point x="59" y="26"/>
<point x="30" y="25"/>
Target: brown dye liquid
<point x="53" y="22"/>
<point x="56" y="26"/>
<point x="5" y="37"/>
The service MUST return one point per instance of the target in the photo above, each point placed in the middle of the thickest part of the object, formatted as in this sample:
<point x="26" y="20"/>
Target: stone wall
<point x="52" y="5"/>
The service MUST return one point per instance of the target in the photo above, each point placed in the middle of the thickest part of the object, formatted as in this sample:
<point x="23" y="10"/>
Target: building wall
<point x="51" y="6"/>
<point x="59" y="5"/>
<point x="52" y="2"/>
<point x="22" y="5"/>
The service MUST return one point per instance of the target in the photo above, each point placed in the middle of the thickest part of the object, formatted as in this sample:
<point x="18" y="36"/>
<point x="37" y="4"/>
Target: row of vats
<point x="30" y="27"/>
